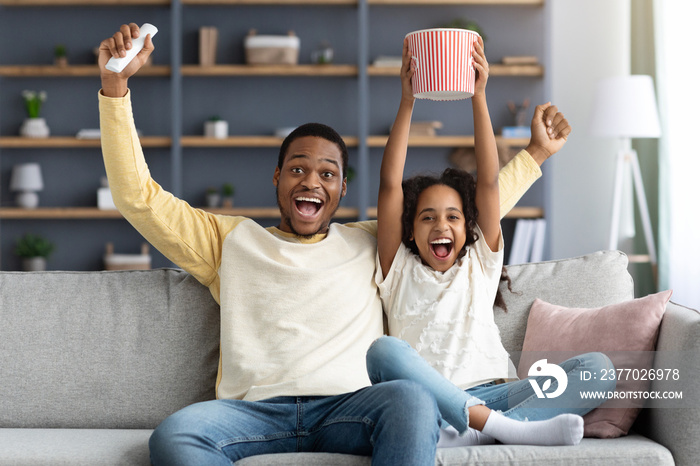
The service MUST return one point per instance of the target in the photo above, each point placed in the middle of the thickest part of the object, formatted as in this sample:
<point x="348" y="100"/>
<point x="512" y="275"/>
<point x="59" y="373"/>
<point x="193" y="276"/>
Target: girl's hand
<point x="482" y="68"/>
<point x="406" y="73"/>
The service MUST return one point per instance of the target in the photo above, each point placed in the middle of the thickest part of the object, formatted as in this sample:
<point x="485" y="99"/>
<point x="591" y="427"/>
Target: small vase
<point x="34" y="264"/>
<point x="34" y="128"/>
<point x="213" y="200"/>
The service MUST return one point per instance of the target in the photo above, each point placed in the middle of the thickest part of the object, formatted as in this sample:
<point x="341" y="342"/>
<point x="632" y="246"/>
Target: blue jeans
<point x="395" y="423"/>
<point x="389" y="358"/>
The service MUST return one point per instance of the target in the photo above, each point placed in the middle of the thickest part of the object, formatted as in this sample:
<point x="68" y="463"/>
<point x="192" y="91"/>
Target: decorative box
<point x="271" y="50"/>
<point x="114" y="261"/>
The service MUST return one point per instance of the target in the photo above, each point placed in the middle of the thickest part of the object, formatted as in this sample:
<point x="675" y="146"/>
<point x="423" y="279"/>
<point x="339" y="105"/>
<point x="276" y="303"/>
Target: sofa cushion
<point x="625" y="331"/>
<point x="74" y="447"/>
<point x="634" y="449"/>
<point x="116" y="350"/>
<point x="593" y="280"/>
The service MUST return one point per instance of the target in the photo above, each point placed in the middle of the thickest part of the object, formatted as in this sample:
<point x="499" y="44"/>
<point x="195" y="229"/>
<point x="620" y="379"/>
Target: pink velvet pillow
<point x="626" y="332"/>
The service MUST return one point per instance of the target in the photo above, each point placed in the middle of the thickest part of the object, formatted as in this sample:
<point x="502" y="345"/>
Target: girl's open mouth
<point x="441" y="248"/>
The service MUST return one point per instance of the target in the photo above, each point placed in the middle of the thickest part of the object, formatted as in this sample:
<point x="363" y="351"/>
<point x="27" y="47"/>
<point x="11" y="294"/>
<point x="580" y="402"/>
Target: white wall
<point x="589" y="39"/>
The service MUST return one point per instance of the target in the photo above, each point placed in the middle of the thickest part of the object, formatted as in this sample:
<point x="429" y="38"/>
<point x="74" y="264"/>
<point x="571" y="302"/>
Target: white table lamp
<point x="624" y="107"/>
<point x="27" y="181"/>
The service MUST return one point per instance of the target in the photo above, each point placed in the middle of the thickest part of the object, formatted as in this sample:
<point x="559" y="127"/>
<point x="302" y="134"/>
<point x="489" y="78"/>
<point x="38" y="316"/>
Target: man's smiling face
<point x="309" y="185"/>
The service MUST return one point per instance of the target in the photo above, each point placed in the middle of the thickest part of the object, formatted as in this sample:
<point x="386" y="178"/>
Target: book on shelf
<point x="528" y="241"/>
<point x="386" y="61"/>
<point x="520" y="60"/>
<point x="208" y="38"/>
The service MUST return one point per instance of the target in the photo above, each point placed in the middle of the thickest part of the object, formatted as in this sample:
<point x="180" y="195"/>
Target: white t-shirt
<point x="448" y="317"/>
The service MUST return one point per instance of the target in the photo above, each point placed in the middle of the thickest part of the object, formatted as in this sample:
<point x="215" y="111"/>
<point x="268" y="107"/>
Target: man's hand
<point x="115" y="84"/>
<point x="550" y="130"/>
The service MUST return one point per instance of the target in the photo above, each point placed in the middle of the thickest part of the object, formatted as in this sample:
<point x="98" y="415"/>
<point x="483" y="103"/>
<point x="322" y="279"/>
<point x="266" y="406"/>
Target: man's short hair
<point x="317" y="130"/>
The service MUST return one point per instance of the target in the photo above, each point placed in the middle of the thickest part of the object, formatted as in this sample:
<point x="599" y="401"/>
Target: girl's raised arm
<point x="487" y="196"/>
<point x="390" y="202"/>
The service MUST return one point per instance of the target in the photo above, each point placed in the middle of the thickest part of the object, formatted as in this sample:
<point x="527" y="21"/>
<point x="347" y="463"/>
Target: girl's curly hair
<point x="459" y="180"/>
<point x="465" y="185"/>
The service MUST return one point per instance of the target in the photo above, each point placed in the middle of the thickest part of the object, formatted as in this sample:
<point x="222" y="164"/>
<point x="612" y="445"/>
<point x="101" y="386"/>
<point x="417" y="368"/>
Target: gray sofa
<point x="93" y="361"/>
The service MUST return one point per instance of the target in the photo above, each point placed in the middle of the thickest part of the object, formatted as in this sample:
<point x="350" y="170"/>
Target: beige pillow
<point x="626" y="332"/>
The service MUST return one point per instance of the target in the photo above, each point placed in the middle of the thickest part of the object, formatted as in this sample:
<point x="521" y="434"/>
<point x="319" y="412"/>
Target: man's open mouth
<point x="308" y="206"/>
<point x="441" y="247"/>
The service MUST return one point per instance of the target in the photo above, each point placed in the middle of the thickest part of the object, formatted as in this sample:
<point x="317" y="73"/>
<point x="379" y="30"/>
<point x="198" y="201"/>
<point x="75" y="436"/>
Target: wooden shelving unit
<point x="189" y="75"/>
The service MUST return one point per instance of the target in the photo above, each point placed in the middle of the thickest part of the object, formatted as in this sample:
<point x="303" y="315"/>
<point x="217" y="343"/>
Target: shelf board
<point x="269" y="70"/>
<point x="82" y="2"/>
<point x="442" y="141"/>
<point x="67" y="142"/>
<point x="35" y="71"/>
<point x="88" y="213"/>
<point x="245" y="141"/>
<point x="515" y="212"/>
<point x="269" y="2"/>
<point x="455" y="2"/>
<point x="495" y="69"/>
<point x="29" y="71"/>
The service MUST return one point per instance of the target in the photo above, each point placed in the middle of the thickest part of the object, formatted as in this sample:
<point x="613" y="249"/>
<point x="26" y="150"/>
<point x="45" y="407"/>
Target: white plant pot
<point x="34" y="128"/>
<point x="216" y="129"/>
<point x="34" y="264"/>
<point x="213" y="200"/>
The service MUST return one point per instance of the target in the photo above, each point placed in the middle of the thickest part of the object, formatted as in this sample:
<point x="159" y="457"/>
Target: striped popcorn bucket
<point x="442" y="59"/>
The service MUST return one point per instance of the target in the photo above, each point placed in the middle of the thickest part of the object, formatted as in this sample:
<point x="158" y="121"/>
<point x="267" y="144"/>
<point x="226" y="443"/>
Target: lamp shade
<point x="26" y="177"/>
<point x="625" y="106"/>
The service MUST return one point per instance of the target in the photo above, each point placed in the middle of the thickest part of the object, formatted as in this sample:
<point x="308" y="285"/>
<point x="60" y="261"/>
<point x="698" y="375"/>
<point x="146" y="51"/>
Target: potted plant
<point x="227" y="192"/>
<point x="34" y="126"/>
<point x="34" y="250"/>
<point x="215" y="127"/>
<point x="213" y="197"/>
<point x="463" y="23"/>
<point x="60" y="58"/>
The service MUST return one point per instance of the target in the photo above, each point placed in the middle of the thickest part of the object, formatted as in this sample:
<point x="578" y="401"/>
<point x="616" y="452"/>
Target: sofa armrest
<point x="675" y="423"/>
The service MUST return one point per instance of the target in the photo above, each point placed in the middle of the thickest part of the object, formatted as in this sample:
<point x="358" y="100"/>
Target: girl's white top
<point x="448" y="317"/>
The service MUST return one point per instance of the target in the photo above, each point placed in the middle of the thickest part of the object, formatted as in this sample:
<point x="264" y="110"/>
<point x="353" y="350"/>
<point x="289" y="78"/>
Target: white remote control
<point x="118" y="64"/>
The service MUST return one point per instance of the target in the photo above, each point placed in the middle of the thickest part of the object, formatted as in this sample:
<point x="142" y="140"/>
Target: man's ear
<point x="344" y="191"/>
<point x="276" y="177"/>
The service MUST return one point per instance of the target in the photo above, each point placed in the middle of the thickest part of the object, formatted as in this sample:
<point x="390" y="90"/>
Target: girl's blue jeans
<point x="392" y="359"/>
<point x="395" y="423"/>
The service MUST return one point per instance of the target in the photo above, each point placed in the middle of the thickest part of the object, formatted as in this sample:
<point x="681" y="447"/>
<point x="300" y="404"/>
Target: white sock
<point x="565" y="429"/>
<point x="450" y="438"/>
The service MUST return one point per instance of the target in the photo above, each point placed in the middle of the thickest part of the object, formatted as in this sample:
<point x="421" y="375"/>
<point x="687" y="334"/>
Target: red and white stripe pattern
<point x="443" y="63"/>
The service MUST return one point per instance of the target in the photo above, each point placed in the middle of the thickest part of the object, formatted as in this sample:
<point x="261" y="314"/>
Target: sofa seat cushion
<point x="633" y="450"/>
<point x="74" y="447"/>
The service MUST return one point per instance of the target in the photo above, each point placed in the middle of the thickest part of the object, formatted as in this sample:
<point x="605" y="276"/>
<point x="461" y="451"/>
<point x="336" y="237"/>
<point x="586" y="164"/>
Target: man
<point x="299" y="307"/>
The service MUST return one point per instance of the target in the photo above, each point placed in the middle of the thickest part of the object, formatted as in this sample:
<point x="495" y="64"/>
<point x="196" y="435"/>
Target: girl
<point x="440" y="256"/>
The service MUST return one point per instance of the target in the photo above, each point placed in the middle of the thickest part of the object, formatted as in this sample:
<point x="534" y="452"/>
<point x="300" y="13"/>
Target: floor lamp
<point x="625" y="108"/>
